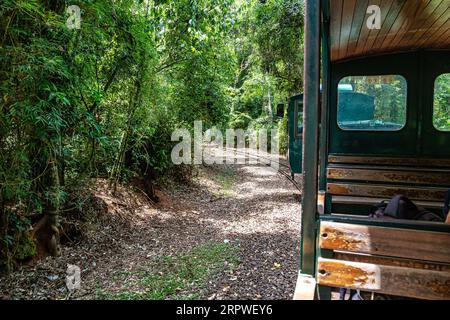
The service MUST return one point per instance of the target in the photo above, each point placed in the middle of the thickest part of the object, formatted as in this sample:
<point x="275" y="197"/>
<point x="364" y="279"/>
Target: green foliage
<point x="283" y="134"/>
<point x="35" y="110"/>
<point x="25" y="248"/>
<point x="102" y="101"/>
<point x="441" y="116"/>
<point x="226" y="180"/>
<point x="269" y="55"/>
<point x="186" y="271"/>
<point x="239" y="120"/>
<point x="278" y="29"/>
<point x="151" y="149"/>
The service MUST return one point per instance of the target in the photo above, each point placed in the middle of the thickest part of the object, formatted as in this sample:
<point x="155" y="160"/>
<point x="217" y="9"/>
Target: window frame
<point x="404" y="126"/>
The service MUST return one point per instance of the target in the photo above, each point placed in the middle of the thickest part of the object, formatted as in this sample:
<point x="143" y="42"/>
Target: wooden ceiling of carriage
<point x="405" y="25"/>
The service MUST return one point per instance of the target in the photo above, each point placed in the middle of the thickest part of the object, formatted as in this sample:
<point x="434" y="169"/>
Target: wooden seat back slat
<point x="410" y="177"/>
<point x="387" y="192"/>
<point x="390" y="161"/>
<point x="425" y="180"/>
<point x="389" y="260"/>
<point x="393" y="242"/>
<point x="373" y="201"/>
<point x="400" y="281"/>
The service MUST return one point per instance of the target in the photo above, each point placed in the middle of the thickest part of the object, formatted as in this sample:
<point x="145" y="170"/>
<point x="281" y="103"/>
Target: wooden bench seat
<point x="390" y="161"/>
<point x="374" y="201"/>
<point x="363" y="180"/>
<point x="403" y="260"/>
<point x="396" y="261"/>
<point x="405" y="175"/>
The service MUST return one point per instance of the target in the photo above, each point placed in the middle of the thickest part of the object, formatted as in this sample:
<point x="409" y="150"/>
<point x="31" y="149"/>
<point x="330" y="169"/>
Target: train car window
<point x="300" y="123"/>
<point x="374" y="103"/>
<point x="441" y="114"/>
<point x="298" y="120"/>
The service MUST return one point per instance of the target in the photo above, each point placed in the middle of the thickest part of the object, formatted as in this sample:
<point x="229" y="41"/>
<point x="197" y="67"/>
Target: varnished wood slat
<point x="335" y="27"/>
<point x="387" y="192"/>
<point x="387" y="223"/>
<point x="406" y="25"/>
<point x="437" y="178"/>
<point x="348" y="12"/>
<point x="425" y="14"/>
<point x="406" y="282"/>
<point x="387" y="261"/>
<point x="436" y="31"/>
<point x="368" y="37"/>
<point x="392" y="242"/>
<point x="409" y="26"/>
<point x="358" y="26"/>
<point x="386" y="26"/>
<point x="356" y="200"/>
<point x="393" y="168"/>
<point x="408" y="12"/>
<point x="444" y="39"/>
<point x="428" y="23"/>
<point x="444" y="163"/>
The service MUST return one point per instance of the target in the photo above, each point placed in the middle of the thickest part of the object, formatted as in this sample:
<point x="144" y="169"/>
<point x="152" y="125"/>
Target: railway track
<point x="285" y="172"/>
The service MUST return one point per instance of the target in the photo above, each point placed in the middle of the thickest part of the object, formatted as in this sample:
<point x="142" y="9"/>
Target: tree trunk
<point x="52" y="208"/>
<point x="134" y="104"/>
<point x="269" y="99"/>
<point x="4" y="255"/>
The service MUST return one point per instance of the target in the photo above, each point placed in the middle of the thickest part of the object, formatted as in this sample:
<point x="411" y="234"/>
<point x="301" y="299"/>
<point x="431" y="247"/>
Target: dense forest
<point x="101" y="100"/>
<point x="441" y="116"/>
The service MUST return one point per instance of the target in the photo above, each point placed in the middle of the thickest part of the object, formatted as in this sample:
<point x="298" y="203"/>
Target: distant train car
<point x="295" y="129"/>
<point x="356" y="109"/>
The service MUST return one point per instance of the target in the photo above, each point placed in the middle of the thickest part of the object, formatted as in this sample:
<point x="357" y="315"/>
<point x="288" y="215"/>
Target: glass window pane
<point x="441" y="115"/>
<point x="372" y="103"/>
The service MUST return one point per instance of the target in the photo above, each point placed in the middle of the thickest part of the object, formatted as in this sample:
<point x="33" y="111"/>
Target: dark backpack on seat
<point x="401" y="207"/>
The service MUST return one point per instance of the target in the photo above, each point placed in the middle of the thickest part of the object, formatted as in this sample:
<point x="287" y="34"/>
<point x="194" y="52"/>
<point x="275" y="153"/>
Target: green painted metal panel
<point x="310" y="136"/>
<point x="400" y="143"/>
<point x="355" y="107"/>
<point x="326" y="82"/>
<point x="418" y="138"/>
<point x="434" y="143"/>
<point x="295" y="124"/>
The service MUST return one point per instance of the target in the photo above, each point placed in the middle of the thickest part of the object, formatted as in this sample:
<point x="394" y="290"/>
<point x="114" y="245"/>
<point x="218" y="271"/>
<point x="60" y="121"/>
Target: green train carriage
<point x="389" y="136"/>
<point x="350" y="102"/>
